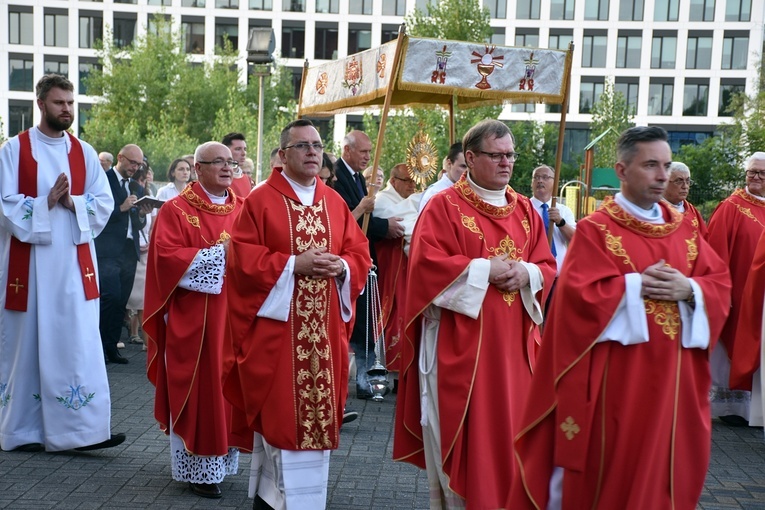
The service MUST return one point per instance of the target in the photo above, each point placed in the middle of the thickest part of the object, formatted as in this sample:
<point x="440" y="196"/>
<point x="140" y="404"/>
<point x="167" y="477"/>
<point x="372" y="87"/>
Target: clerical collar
<point x="215" y="199"/>
<point x="495" y="197"/>
<point x="746" y="188"/>
<point x="652" y="215"/>
<point x="304" y="193"/>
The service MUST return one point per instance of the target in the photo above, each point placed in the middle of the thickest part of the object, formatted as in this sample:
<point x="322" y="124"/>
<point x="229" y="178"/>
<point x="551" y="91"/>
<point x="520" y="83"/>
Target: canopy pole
<point x="561" y="135"/>
<point x="302" y="87"/>
<point x="452" y="130"/>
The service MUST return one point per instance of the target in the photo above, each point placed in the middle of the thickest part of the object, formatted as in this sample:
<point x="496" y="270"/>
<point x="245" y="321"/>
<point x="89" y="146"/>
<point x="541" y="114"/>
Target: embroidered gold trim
<point x="570" y="428"/>
<point x="665" y="314"/>
<point x="614" y="245"/>
<point x="610" y="207"/>
<point x="693" y="249"/>
<point x="198" y="202"/>
<point x="743" y="195"/>
<point x="464" y="189"/>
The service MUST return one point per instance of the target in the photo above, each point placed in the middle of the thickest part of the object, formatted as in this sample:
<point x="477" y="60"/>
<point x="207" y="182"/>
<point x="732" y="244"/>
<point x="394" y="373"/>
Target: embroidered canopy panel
<point x="432" y="72"/>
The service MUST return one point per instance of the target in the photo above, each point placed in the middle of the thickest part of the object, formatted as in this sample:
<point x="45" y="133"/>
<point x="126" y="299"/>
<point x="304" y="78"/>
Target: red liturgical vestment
<point x="629" y="424"/>
<point x="185" y="328"/>
<point x="484" y="364"/>
<point x="288" y="380"/>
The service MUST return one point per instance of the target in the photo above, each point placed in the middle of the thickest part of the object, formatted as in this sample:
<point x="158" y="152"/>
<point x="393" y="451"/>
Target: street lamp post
<point x="260" y="48"/>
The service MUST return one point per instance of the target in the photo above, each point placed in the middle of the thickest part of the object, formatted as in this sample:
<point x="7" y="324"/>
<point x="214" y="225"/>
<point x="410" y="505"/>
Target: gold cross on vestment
<point x="570" y="428"/>
<point x="17" y="285"/>
<point x="89" y="275"/>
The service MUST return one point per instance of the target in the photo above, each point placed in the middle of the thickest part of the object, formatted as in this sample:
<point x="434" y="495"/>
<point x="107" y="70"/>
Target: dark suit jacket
<point x="346" y="187"/>
<point x="110" y="241"/>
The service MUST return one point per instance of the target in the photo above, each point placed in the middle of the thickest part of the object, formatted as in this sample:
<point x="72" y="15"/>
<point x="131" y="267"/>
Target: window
<point x="498" y="36"/>
<point x="166" y="3"/>
<point x="293" y="5"/>
<point x="226" y="4"/>
<point x="297" y="82"/>
<point x="19" y="116"/>
<point x="329" y="6"/>
<point x="56" y="65"/>
<point x="527" y="9"/>
<point x="125" y="2"/>
<point x="596" y="10"/>
<point x="728" y="90"/>
<point x="20" y="77"/>
<point x="360" y="7"/>
<point x="326" y="41"/>
<point x="194" y="35"/>
<point x="91" y="29"/>
<point x="124" y="29"/>
<point x="527" y="37"/>
<point x="261" y="5"/>
<point x="628" y="50"/>
<point x="660" y="97"/>
<point x="561" y="9"/>
<point x="83" y="114"/>
<point x="629" y="89"/>
<point x="392" y="8"/>
<point x="524" y="107"/>
<point x="631" y="10"/>
<point x="227" y="29"/>
<point x="389" y="32"/>
<point x="702" y="10"/>
<point x="56" y="29"/>
<point x="86" y="67"/>
<point x="20" y="27"/>
<point x="152" y="25"/>
<point x="594" y="50"/>
<point x="421" y="5"/>
<point x="192" y="3"/>
<point x="293" y="41"/>
<point x="738" y="10"/>
<point x="735" y="49"/>
<point x="497" y="8"/>
<point x="560" y="39"/>
<point x="699" y="53"/>
<point x="359" y="39"/>
<point x="589" y="92"/>
<point x="666" y="10"/>
<point x="695" y="97"/>
<point x="663" y="51"/>
<point x="677" y="139"/>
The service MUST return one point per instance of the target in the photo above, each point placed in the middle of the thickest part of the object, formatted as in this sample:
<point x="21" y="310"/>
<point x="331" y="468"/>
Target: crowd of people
<point x="526" y="348"/>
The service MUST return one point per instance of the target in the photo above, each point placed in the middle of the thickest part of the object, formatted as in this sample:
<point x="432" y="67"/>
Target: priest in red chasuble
<point x="298" y="261"/>
<point x="676" y="193"/>
<point x="618" y="415"/>
<point x="185" y="309"/>
<point x="479" y="267"/>
<point x="734" y="230"/>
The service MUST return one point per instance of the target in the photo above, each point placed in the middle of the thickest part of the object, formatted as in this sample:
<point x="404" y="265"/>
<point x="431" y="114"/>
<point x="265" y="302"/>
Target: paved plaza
<point x="362" y="475"/>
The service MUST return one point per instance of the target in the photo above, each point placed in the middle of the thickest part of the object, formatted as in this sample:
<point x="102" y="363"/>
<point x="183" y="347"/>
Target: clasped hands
<point x="319" y="263"/>
<point x="59" y="193"/>
<point x="665" y="283"/>
<point x="507" y="275"/>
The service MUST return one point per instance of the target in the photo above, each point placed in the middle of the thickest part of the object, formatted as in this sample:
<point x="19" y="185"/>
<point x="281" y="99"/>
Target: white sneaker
<point x="120" y="345"/>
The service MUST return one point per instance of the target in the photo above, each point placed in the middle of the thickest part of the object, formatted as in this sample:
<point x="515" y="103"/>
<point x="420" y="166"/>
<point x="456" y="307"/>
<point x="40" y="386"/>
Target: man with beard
<point x="118" y="248"/>
<point x="55" y="199"/>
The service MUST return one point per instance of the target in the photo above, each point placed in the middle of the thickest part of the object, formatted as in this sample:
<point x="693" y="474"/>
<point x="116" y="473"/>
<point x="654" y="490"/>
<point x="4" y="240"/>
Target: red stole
<point x="18" y="264"/>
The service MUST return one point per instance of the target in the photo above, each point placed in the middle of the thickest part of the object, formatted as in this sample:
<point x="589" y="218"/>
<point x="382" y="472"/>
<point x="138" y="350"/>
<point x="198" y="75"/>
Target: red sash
<point x="17" y="294"/>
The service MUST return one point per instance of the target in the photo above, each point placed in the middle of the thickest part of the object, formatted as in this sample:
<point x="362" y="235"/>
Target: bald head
<point x="129" y="159"/>
<point x="401" y="181"/>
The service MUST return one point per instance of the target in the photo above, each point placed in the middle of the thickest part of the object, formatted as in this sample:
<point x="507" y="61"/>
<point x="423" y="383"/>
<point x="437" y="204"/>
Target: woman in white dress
<point x="178" y="175"/>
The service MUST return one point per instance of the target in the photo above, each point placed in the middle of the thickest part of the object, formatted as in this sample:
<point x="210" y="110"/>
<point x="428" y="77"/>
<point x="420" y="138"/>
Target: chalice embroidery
<point x="486" y="64"/>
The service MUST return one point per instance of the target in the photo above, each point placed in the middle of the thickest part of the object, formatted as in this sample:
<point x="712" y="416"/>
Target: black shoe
<point x="113" y="356"/>
<point x="349" y="416"/>
<point x="734" y="421"/>
<point x="30" y="448"/>
<point x="206" y="490"/>
<point x="114" y="440"/>
<point x="260" y="504"/>
<point x="395" y="386"/>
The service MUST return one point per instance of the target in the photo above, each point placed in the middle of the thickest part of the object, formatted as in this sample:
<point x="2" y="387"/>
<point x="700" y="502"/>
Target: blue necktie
<point x="357" y="178"/>
<point x="546" y="219"/>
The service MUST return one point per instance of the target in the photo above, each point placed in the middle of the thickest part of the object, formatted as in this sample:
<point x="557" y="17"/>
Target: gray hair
<point x="198" y="154"/>
<point x="678" y="167"/>
<point x="757" y="156"/>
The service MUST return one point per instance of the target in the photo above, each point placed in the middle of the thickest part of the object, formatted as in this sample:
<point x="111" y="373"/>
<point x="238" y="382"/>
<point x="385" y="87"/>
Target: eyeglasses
<point x="496" y="157"/>
<point x="221" y="163"/>
<point x="134" y="163"/>
<point x="756" y="173"/>
<point x="403" y="180"/>
<point x="680" y="182"/>
<point x="303" y="147"/>
<point x="542" y="178"/>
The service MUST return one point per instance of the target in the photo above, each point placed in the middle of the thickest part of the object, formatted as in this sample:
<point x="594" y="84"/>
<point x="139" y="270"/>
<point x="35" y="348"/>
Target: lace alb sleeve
<point x="206" y="271"/>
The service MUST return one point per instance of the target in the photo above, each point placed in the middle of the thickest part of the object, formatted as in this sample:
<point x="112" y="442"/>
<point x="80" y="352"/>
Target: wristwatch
<point x="691" y="300"/>
<point x="561" y="224"/>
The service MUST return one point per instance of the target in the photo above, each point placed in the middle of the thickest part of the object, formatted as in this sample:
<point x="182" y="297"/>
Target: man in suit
<point x="117" y="248"/>
<point x="350" y="184"/>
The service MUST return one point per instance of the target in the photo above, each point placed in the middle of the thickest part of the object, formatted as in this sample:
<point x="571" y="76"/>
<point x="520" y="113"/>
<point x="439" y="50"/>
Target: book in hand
<point x="146" y="199"/>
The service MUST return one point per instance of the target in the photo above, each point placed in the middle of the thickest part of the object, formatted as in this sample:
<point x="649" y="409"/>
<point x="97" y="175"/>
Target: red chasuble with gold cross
<point x="288" y="380"/>
<point x="629" y="424"/>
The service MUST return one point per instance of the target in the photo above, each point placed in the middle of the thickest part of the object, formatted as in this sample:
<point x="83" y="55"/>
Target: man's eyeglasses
<point x="303" y="147"/>
<point x="542" y="177"/>
<point x="680" y="182"/>
<point x="496" y="157"/>
<point x="139" y="164"/>
<point x="402" y="179"/>
<point x="221" y="163"/>
<point x="756" y="173"/>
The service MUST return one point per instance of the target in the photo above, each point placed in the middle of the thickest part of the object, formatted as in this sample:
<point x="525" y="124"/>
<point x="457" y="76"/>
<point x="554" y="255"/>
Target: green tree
<point x="2" y="137"/>
<point x="611" y="110"/>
